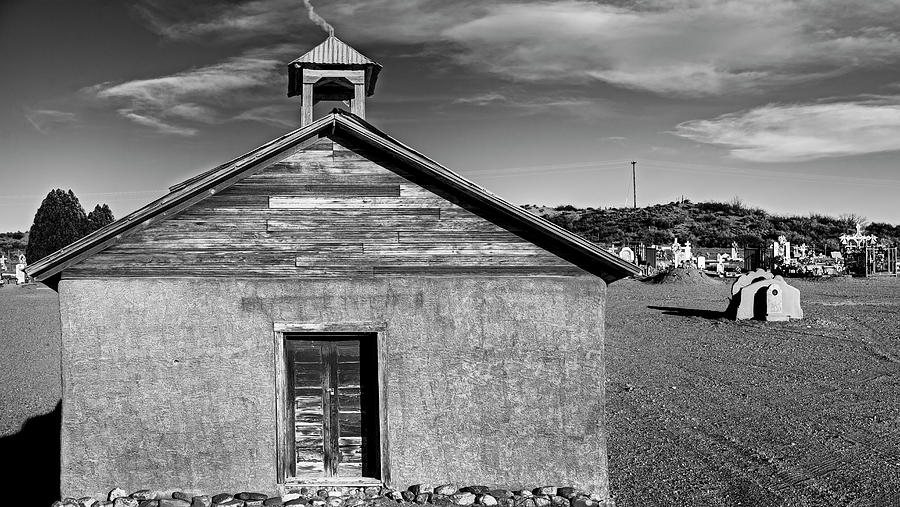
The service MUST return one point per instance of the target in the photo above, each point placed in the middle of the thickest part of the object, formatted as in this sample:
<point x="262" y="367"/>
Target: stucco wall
<point x="169" y="383"/>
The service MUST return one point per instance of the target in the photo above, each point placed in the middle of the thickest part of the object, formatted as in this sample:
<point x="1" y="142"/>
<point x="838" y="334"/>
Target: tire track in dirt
<point x="764" y="413"/>
<point x="777" y="476"/>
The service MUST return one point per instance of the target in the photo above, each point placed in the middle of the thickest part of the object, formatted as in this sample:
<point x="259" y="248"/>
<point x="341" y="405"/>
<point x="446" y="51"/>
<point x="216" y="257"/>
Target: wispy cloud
<point x="482" y="99"/>
<point x="157" y="124"/>
<point x="44" y="120"/>
<point x="692" y="48"/>
<point x="218" y="21"/>
<point x="798" y="132"/>
<point x="523" y="104"/>
<point x="175" y="104"/>
<point x="677" y="47"/>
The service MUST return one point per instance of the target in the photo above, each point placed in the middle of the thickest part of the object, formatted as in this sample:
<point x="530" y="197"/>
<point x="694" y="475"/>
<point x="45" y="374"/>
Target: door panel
<point x="335" y="433"/>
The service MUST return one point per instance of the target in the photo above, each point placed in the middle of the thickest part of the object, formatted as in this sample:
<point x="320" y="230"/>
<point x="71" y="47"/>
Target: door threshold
<point x="353" y="482"/>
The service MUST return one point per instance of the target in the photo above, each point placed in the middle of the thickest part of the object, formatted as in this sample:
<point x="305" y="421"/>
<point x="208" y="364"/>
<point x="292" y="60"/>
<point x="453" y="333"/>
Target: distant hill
<point x="13" y="241"/>
<point x="708" y="224"/>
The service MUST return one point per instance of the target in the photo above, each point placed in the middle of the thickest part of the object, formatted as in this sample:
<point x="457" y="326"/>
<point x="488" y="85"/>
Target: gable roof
<point x="345" y="127"/>
<point x="334" y="51"/>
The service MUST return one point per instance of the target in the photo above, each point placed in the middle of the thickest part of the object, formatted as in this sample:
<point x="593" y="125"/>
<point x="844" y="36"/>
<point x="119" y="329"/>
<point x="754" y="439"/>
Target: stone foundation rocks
<point x="445" y="495"/>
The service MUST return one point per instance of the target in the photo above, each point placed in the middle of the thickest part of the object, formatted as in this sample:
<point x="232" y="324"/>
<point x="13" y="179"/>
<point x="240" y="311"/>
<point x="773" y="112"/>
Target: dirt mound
<point x="682" y="276"/>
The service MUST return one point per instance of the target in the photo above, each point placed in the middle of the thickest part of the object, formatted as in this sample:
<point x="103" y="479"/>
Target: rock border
<point x="444" y="495"/>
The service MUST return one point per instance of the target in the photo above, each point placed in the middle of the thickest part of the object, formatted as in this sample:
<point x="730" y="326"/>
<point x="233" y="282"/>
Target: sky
<point x="791" y="106"/>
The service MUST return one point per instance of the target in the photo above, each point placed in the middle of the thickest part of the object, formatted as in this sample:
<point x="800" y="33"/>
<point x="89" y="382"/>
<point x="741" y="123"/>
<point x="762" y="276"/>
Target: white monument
<point x="2" y="263"/>
<point x="627" y="254"/>
<point x="701" y="262"/>
<point x="677" y="256"/>
<point x="20" y="273"/>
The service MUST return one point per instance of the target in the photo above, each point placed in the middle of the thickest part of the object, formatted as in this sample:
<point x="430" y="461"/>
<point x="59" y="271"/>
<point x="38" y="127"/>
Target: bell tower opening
<point x="332" y="71"/>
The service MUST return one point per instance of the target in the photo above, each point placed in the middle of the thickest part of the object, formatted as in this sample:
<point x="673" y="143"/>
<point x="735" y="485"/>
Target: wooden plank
<point x="348" y="352"/>
<point x="195" y="258"/>
<point x="282" y="186"/>
<point x="350" y="469"/>
<point x="459" y="223"/>
<point x="310" y="455"/>
<point x="316" y="203"/>
<point x="450" y="260"/>
<point x="319" y="174"/>
<point x="454" y="248"/>
<point x="206" y="271"/>
<point x="324" y="144"/>
<point x="351" y="460"/>
<point x="335" y="235"/>
<point x="284" y="416"/>
<point x="331" y="426"/>
<point x="231" y="199"/>
<point x="348" y="224"/>
<point x="328" y="272"/>
<point x="310" y="468"/>
<point x="438" y="270"/>
<point x="342" y="167"/>
<point x="350" y="424"/>
<point x="186" y="224"/>
<point x="416" y="191"/>
<point x="308" y="430"/>
<point x="348" y="155"/>
<point x="305" y="353"/>
<point x="307" y="377"/>
<point x="349" y="399"/>
<point x="307" y="405"/>
<point x="461" y="235"/>
<point x="349" y="327"/>
<point x="348" y="375"/>
<point x="352" y="453"/>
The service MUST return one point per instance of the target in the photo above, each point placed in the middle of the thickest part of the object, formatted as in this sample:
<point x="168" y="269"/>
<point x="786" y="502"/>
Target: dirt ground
<point x="707" y="411"/>
<point x="29" y="354"/>
<point x="701" y="410"/>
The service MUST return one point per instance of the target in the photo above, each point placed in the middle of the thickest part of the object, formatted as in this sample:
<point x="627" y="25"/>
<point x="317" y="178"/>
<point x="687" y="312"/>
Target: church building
<point x="331" y="308"/>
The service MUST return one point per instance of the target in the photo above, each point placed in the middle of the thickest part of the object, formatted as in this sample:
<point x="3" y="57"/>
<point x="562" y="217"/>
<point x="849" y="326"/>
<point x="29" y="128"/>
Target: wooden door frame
<point x="283" y="433"/>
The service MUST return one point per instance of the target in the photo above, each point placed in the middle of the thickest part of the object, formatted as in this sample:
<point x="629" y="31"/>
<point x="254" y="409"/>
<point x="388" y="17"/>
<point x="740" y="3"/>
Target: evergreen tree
<point x="59" y="220"/>
<point x="100" y="217"/>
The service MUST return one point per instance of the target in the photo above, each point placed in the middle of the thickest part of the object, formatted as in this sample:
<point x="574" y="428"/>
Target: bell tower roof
<point x="332" y="54"/>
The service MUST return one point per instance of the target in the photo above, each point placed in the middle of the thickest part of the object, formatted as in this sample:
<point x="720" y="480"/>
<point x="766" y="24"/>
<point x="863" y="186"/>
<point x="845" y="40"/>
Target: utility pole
<point x="634" y="182"/>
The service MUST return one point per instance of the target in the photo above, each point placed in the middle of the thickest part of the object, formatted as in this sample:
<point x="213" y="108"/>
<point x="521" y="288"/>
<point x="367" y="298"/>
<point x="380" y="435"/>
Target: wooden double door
<point x="333" y="392"/>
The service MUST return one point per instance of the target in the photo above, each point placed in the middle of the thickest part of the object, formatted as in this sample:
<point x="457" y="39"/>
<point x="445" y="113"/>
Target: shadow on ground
<point x="33" y="454"/>
<point x="689" y="312"/>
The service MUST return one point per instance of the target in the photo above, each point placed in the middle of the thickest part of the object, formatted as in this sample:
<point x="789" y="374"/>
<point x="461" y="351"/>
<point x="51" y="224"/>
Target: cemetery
<point x="860" y="254"/>
<point x="864" y="255"/>
<point x="17" y="276"/>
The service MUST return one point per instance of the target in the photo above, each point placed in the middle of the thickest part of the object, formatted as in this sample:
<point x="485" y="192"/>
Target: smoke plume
<point x="319" y="20"/>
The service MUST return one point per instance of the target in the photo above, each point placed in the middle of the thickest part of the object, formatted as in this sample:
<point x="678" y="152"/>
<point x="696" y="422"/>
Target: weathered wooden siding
<point x="324" y="212"/>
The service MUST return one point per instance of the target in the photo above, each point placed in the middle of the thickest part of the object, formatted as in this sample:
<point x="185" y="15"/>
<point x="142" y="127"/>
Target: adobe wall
<point x="169" y="383"/>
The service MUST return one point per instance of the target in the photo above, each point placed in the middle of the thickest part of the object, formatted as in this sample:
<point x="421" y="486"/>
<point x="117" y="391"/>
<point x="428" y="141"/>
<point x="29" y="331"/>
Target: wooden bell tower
<point x="332" y="71"/>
